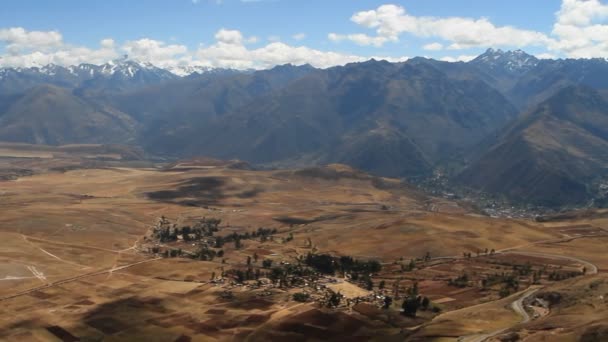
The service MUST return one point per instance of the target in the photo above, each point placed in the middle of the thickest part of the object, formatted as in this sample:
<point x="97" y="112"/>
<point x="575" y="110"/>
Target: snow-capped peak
<point x="510" y="61"/>
<point x="125" y="66"/>
<point x="186" y="70"/>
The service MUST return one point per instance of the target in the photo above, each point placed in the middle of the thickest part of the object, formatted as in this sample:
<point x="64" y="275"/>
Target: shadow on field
<point x="201" y="191"/>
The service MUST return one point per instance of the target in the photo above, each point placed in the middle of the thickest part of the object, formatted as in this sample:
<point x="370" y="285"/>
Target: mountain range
<point x="527" y="128"/>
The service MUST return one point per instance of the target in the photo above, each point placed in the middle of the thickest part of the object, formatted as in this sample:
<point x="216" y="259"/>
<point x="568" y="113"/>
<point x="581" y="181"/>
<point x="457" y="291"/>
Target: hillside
<point x="403" y="117"/>
<point x="549" y="155"/>
<point x="51" y="115"/>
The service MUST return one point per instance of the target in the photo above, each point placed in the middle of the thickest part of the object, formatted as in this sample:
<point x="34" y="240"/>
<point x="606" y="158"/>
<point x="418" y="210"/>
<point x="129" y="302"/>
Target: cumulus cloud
<point x="433" y="47"/>
<point x="18" y="39"/>
<point x="581" y="29"/>
<point x="392" y="21"/>
<point x="235" y="54"/>
<point x="229" y="50"/>
<point x="36" y="48"/>
<point x="359" y="39"/>
<point x="158" y="52"/>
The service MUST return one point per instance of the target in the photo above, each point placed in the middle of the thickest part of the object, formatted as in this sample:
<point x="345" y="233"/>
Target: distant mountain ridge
<point x="498" y="122"/>
<point x="551" y="154"/>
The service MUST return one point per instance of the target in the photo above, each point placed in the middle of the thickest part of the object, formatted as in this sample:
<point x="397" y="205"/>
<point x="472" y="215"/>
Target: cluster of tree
<point x="242" y="276"/>
<point x="414" y="302"/>
<point x="290" y="275"/>
<point x="562" y="275"/>
<point x="460" y="281"/>
<point x="329" y="264"/>
<point x="409" y="267"/>
<point x="261" y="233"/>
<point x="523" y="270"/>
<point x="510" y="285"/>
<point x="206" y="254"/>
<point x="167" y="232"/>
<point x="284" y="275"/>
<point x="486" y="251"/>
<point x="301" y="297"/>
<point x="509" y="280"/>
<point x="167" y="253"/>
<point x="334" y="299"/>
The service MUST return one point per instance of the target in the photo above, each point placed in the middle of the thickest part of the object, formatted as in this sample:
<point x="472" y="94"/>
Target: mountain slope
<point x="395" y="119"/>
<point x="54" y="116"/>
<point x="550" y="155"/>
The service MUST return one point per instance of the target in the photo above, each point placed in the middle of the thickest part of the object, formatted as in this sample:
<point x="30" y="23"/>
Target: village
<point x="423" y="286"/>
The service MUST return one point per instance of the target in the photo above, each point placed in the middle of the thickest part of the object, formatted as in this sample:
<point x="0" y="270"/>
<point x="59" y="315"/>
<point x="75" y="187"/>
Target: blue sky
<point x="329" y="31"/>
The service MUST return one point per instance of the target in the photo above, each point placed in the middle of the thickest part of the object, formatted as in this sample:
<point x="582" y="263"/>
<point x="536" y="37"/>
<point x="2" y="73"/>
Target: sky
<point x="257" y="34"/>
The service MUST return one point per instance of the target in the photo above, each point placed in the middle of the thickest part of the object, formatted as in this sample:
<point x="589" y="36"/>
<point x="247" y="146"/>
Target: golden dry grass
<point x="85" y="221"/>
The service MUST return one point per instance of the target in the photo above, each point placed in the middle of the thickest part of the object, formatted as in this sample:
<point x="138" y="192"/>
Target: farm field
<point x="81" y="256"/>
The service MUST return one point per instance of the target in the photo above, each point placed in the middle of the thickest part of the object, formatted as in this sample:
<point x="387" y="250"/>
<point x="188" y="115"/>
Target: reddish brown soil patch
<point x="367" y="309"/>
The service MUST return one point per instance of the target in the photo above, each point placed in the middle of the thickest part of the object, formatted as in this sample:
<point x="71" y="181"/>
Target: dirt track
<point x="67" y="280"/>
<point x="517" y="305"/>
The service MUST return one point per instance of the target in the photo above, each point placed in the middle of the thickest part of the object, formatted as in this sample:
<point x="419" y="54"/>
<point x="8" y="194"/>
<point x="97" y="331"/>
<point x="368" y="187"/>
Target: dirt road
<point x="67" y="280"/>
<point x="517" y="306"/>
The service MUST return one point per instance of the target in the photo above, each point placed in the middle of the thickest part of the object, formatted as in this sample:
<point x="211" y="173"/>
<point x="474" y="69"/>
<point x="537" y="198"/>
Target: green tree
<point x="369" y="284"/>
<point x="334" y="299"/>
<point x="388" y="301"/>
<point x="410" y="306"/>
<point x="425" y="303"/>
<point x="301" y="297"/>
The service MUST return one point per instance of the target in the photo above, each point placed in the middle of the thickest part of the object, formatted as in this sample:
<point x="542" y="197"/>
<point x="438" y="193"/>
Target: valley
<point x="504" y="129"/>
<point x="83" y="261"/>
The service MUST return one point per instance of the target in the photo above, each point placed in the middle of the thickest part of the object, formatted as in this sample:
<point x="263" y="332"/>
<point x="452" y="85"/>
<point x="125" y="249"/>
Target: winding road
<point x="518" y="304"/>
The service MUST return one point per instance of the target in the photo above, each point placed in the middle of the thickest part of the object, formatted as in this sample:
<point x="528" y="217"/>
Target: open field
<point x="76" y="258"/>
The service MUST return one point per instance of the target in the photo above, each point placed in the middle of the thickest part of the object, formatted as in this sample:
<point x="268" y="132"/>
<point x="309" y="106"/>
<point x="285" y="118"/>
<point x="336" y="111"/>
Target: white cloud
<point x="234" y="37"/>
<point x="359" y="39"/>
<point x="18" y="39"/>
<point x="229" y="36"/>
<point x="299" y="36"/>
<point x="36" y="48"/>
<point x="433" y="47"/>
<point x="581" y="29"/>
<point x="461" y="58"/>
<point x="392" y="21"/>
<point x="238" y="56"/>
<point x="229" y="51"/>
<point x="155" y="51"/>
